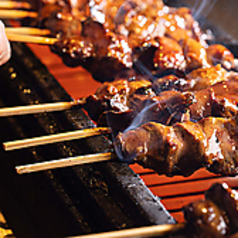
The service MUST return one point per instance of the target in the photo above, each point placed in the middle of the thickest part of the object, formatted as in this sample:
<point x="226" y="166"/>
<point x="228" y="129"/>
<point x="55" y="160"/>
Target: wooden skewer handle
<point x="59" y="163"/>
<point x="27" y="31"/>
<point x="16" y="14"/>
<point x="14" y="4"/>
<point x="49" y="139"/>
<point x="38" y="108"/>
<point x="30" y="39"/>
<point x="149" y="231"/>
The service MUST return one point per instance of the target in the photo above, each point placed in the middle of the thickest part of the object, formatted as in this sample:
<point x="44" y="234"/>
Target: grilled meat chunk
<point x="219" y="100"/>
<point x="219" y="54"/>
<point x="167" y="108"/>
<point x="227" y="200"/>
<point x="102" y="53"/>
<point x="205" y="220"/>
<point x="183" y="147"/>
<point x="215" y="216"/>
<point x="115" y="95"/>
<point x="135" y="33"/>
<point x="196" y="80"/>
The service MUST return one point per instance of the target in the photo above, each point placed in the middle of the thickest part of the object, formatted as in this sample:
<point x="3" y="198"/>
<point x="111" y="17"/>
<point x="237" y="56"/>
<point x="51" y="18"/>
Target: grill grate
<point x="68" y="201"/>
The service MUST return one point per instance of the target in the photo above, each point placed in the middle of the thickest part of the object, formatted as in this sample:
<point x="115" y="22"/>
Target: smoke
<point x="202" y="8"/>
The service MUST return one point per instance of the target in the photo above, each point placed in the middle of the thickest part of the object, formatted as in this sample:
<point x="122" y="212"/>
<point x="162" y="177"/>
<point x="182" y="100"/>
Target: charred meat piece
<point x="102" y="53"/>
<point x="219" y="100"/>
<point x="227" y="200"/>
<point x="219" y="54"/>
<point x="115" y="95"/>
<point x="205" y="220"/>
<point x="183" y="147"/>
<point x="205" y="77"/>
<point x="58" y="18"/>
<point x="195" y="54"/>
<point x="196" y="80"/>
<point x="107" y="42"/>
<point x="134" y="102"/>
<point x="215" y="216"/>
<point x="167" y="108"/>
<point x="181" y="25"/>
<point x="163" y="56"/>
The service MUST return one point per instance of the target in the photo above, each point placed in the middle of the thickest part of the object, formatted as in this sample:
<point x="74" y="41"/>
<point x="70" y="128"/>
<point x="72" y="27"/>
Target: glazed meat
<point x="215" y="216"/>
<point x="136" y="34"/>
<point x="205" y="220"/>
<point x="167" y="108"/>
<point x="105" y="54"/>
<point x="182" y="148"/>
<point x="219" y="100"/>
<point x="196" y="80"/>
<point x="115" y="95"/>
<point x="136" y="100"/>
<point x="59" y="19"/>
<point x="219" y="54"/>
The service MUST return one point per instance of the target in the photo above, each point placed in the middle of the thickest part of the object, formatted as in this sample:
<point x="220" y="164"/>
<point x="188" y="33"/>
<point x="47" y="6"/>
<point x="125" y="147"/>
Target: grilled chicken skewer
<point x="134" y="102"/>
<point x="214" y="216"/>
<point x="108" y="96"/>
<point x="122" y="94"/>
<point x="120" y="42"/>
<point x="180" y="149"/>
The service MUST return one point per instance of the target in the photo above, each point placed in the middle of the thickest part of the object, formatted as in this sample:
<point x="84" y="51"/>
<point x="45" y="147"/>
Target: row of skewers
<point x="163" y="41"/>
<point x="189" y="112"/>
<point x="164" y="126"/>
<point x="205" y="92"/>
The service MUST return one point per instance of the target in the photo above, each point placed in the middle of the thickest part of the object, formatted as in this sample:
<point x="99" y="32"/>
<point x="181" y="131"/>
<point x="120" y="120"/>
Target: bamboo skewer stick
<point x="65" y="162"/>
<point x="39" y="108"/>
<point x="30" y="39"/>
<point x="17" y="14"/>
<point x="50" y="139"/>
<point x="27" y="31"/>
<point x="147" y="231"/>
<point x="14" y="4"/>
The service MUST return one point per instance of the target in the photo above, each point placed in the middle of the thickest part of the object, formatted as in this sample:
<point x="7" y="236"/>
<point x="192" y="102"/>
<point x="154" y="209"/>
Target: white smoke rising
<point x="202" y="8"/>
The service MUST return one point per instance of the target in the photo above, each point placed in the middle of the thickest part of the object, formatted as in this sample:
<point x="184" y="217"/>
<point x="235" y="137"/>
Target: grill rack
<point x="68" y="201"/>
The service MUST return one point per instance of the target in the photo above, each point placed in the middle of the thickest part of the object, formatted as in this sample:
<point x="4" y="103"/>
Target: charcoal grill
<point x="68" y="201"/>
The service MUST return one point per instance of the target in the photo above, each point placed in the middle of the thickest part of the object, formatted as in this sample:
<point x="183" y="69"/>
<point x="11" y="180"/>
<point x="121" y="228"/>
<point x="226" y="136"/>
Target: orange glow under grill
<point x="175" y="192"/>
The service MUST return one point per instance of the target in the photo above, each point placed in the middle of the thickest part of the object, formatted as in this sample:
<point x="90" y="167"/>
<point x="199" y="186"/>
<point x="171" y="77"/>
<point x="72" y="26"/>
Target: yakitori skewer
<point x="15" y="4"/>
<point x="65" y="162"/>
<point x="49" y="139"/>
<point x="38" y="108"/>
<point x="27" y="31"/>
<point x="17" y="14"/>
<point x="180" y="149"/>
<point x="30" y="38"/>
<point x="147" y="231"/>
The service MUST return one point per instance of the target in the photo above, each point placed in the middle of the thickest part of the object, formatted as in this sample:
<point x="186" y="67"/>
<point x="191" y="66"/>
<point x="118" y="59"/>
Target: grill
<point x="81" y="199"/>
<point x="174" y="192"/>
<point x="69" y="201"/>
